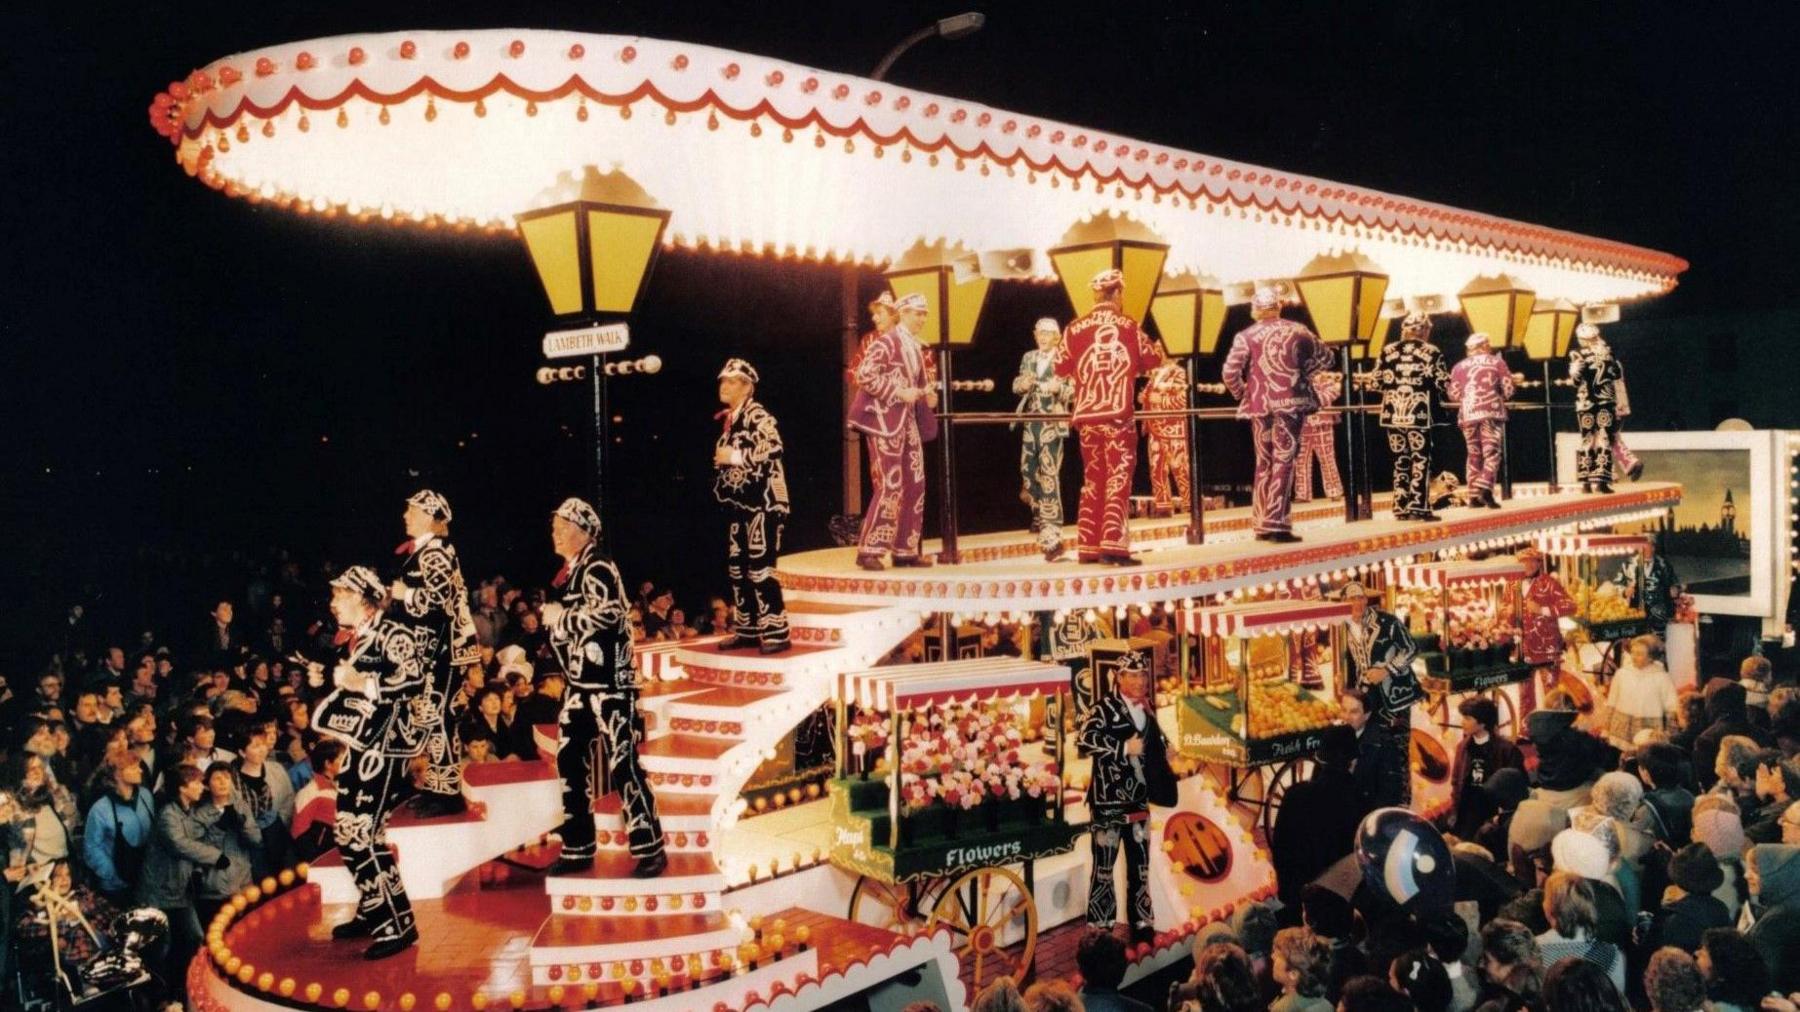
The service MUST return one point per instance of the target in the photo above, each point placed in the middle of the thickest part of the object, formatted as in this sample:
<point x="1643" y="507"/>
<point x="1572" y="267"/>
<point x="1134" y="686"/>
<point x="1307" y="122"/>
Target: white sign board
<point x="599" y="340"/>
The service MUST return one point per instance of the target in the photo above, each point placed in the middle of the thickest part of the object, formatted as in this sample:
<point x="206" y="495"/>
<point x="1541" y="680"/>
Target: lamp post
<point x="593" y="241"/>
<point x="1547" y="337"/>
<point x="1343" y="294"/>
<point x="1189" y="311"/>
<point x="1500" y="307"/>
<point x="955" y="27"/>
<point x="952" y="310"/>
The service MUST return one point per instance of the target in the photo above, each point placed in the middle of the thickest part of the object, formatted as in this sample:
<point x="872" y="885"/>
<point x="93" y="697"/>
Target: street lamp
<point x="1189" y="312"/>
<point x="952" y="310"/>
<point x="1499" y="306"/>
<point x="1105" y="241"/>
<point x="957" y="26"/>
<point x="593" y="240"/>
<point x="1547" y="337"/>
<point x="1343" y="294"/>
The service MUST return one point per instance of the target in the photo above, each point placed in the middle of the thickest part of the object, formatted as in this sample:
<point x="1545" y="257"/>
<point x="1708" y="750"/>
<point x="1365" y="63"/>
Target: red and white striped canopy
<point x="1267" y="618"/>
<point x="1503" y="569"/>
<point x="1592" y="544"/>
<point x="913" y="685"/>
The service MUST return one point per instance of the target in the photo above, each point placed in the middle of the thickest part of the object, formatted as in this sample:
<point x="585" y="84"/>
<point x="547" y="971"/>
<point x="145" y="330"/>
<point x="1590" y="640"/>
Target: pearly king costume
<point x="1042" y="391"/>
<point x="379" y="707"/>
<point x="1318" y="441"/>
<point x="1382" y="652"/>
<point x="1119" y="798"/>
<point x="1480" y="384"/>
<point x="1408" y="375"/>
<point x="1269" y="370"/>
<point x="436" y="598"/>
<point x="1166" y="439"/>
<point x="1597" y="377"/>
<point x="1103" y="353"/>
<point x="752" y="487"/>
<point x="893" y="365"/>
<point x="592" y="639"/>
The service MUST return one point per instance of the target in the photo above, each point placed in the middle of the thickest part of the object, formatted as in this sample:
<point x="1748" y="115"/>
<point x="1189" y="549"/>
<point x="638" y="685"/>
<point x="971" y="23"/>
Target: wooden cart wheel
<point x="1284" y="777"/>
<point x="978" y="907"/>
<point x="881" y="905"/>
<point x="1508" y="712"/>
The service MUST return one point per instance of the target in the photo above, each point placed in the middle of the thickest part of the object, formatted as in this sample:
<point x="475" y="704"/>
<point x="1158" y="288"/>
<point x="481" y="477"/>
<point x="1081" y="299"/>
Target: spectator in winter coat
<point x="1688" y="907"/>
<point x="1506" y="789"/>
<point x="1736" y="977"/>
<point x="1668" y="811"/>
<point x="232" y="831"/>
<point x="1569" y="759"/>
<point x="118" y="830"/>
<point x="1482" y="752"/>
<point x="1725" y="715"/>
<point x="177" y="852"/>
<point x="1777" y="785"/>
<point x="315" y="806"/>
<point x="1320" y="827"/>
<point x="1718" y="827"/>
<point x="1773" y="874"/>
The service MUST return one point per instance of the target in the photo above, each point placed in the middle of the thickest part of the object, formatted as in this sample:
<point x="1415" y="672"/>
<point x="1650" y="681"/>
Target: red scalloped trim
<point x="1626" y="254"/>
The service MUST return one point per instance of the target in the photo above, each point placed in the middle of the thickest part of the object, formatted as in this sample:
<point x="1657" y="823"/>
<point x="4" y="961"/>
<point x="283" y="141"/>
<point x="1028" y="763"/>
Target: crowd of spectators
<point x="173" y="772"/>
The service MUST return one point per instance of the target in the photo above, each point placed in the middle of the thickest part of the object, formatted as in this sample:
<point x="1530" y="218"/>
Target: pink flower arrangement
<point x="962" y="755"/>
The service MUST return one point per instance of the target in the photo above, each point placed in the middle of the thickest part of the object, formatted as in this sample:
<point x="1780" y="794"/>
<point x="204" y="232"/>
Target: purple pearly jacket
<point x="1480" y="385"/>
<point x="892" y="361"/>
<point x="1271" y="366"/>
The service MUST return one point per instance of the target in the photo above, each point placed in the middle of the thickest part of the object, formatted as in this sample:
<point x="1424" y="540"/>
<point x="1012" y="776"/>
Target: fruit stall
<point x="1242" y="710"/>
<point x="950" y="775"/>
<point x="1591" y="568"/>
<point x="1464" y="616"/>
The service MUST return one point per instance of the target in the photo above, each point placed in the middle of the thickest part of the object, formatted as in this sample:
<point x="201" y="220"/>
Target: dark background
<point x="191" y="381"/>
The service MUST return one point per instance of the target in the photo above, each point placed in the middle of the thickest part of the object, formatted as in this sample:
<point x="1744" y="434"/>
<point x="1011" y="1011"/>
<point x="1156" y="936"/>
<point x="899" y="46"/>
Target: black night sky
<point x="185" y="372"/>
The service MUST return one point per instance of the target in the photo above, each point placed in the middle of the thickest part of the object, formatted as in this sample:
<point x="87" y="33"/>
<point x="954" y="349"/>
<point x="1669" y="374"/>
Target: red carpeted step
<point x="563" y="930"/>
<point x="687" y="746"/>
<point x="672" y="805"/>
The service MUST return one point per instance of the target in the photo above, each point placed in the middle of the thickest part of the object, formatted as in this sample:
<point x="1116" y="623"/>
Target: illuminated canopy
<point x="462" y="129"/>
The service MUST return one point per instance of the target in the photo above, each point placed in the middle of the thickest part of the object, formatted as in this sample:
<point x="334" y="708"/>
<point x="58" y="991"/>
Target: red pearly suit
<point x="895" y="433"/>
<point x="1103" y="353"/>
<point x="1541" y="642"/>
<point x="1166" y="390"/>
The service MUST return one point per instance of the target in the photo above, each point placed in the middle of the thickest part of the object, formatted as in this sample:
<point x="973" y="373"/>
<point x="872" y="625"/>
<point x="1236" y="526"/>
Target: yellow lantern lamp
<point x="1343" y="293"/>
<point x="1500" y="307"/>
<point x="1189" y="312"/>
<point x="1551" y="328"/>
<point x="952" y="308"/>
<point x="593" y="241"/>
<point x="1110" y="241"/>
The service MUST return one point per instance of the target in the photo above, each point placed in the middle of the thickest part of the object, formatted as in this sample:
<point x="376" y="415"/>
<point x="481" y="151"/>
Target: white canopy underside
<point x="759" y="156"/>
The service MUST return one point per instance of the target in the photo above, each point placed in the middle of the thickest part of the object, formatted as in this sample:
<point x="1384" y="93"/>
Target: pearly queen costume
<point x="437" y="600"/>
<point x="1042" y="391"/>
<point x="1410" y="373"/>
<point x="592" y="640"/>
<point x="385" y="721"/>
<point x="752" y="488"/>
<point x="1480" y="385"/>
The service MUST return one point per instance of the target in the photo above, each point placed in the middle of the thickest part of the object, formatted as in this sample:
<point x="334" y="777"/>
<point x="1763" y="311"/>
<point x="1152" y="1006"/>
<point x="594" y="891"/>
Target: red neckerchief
<point x="562" y="575"/>
<point x="404" y="547"/>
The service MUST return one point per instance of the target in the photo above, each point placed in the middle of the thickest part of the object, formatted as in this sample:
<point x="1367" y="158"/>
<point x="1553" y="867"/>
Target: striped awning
<point x="656" y="658"/>
<point x="1504" y="569"/>
<point x="1267" y="618"/>
<point x="1592" y="544"/>
<point x="912" y="685"/>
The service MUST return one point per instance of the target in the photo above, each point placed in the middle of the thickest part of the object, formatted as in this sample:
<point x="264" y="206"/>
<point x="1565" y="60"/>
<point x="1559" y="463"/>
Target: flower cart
<point x="1242" y="711"/>
<point x="1464" y="615"/>
<point x="977" y="747"/>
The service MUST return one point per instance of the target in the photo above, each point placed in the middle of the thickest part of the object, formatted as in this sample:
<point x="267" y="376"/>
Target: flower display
<point x="962" y="755"/>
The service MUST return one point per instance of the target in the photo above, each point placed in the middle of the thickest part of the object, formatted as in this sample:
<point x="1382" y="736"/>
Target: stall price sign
<point x="603" y="339"/>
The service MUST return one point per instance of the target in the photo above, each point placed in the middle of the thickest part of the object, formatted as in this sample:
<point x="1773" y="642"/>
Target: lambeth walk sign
<point x="602" y="339"/>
